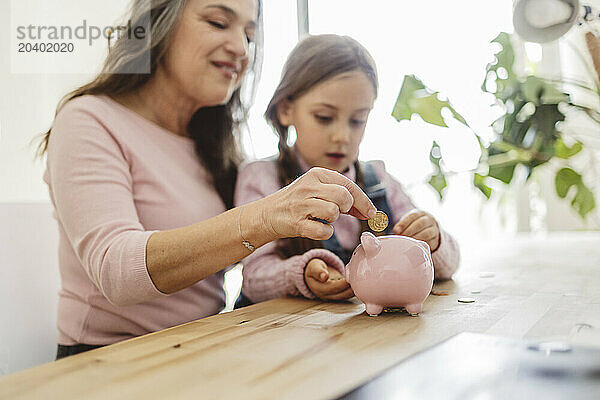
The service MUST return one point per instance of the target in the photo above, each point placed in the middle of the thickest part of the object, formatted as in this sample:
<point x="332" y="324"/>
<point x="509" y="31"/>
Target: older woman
<point x="141" y="169"/>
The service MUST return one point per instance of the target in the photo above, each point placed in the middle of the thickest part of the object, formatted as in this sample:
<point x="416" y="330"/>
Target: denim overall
<point x="375" y="190"/>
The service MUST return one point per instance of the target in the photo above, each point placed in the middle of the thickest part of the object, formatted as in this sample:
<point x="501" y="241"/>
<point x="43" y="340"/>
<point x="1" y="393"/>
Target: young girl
<point x="327" y="89"/>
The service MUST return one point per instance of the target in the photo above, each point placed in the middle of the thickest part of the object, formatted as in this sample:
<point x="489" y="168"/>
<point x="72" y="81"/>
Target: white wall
<point x="568" y="58"/>
<point x="28" y="101"/>
<point x="29" y="277"/>
<point x="29" y="284"/>
<point x="576" y="63"/>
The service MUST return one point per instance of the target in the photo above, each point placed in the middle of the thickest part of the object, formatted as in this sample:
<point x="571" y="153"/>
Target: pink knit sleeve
<point x="266" y="275"/>
<point x="91" y="188"/>
<point x="446" y="257"/>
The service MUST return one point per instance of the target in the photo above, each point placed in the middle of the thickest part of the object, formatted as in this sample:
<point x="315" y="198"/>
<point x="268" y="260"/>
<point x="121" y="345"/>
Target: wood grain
<point x="542" y="288"/>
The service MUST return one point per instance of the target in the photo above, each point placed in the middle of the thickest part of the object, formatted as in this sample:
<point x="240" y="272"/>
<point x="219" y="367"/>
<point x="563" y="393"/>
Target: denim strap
<point x="375" y="190"/>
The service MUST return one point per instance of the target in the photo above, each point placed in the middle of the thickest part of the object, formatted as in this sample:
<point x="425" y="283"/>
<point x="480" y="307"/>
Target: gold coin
<point x="466" y="300"/>
<point x="379" y="222"/>
<point x="393" y="309"/>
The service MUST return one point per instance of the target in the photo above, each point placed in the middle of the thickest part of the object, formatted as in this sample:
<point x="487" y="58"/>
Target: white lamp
<point x="542" y="21"/>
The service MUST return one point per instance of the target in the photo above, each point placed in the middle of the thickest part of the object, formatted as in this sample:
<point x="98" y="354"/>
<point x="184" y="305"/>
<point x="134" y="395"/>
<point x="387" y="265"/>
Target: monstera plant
<point x="528" y="134"/>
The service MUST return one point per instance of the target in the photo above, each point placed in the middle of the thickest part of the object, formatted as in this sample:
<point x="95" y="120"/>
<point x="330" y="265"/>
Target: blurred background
<point x="446" y="44"/>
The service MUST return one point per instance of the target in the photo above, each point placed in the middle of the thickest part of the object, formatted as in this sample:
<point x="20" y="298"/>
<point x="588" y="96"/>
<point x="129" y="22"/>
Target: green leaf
<point x="583" y="201"/>
<point x="513" y="130"/>
<point x="429" y="108"/>
<point x="437" y="179"/>
<point x="540" y="91"/>
<point x="402" y="110"/>
<point x="545" y="118"/>
<point x="503" y="173"/>
<point x="565" y="178"/>
<point x="479" y="183"/>
<point x="527" y="133"/>
<point x="502" y="160"/>
<point x="505" y="59"/>
<point x="416" y="98"/>
<point x="438" y="182"/>
<point x="435" y="155"/>
<point x="561" y="150"/>
<point x="542" y="151"/>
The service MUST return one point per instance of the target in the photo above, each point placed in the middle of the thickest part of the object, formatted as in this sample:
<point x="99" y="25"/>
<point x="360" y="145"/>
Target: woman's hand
<point x="420" y="225"/>
<point x="325" y="282"/>
<point x="318" y="194"/>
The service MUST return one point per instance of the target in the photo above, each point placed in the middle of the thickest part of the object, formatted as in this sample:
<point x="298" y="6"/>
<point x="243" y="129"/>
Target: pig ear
<point x="370" y="243"/>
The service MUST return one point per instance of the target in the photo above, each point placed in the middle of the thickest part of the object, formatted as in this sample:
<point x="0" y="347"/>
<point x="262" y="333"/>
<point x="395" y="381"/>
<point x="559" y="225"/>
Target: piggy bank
<point x="390" y="271"/>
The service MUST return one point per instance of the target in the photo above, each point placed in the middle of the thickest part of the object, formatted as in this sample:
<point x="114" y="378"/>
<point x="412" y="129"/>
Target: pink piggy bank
<point x="390" y="271"/>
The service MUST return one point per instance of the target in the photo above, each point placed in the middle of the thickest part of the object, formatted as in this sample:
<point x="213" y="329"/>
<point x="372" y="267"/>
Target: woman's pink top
<point x="114" y="179"/>
<point x="267" y="276"/>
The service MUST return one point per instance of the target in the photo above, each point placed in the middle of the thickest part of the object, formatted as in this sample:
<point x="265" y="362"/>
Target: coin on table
<point x="466" y="300"/>
<point x="379" y="222"/>
<point x="551" y="347"/>
<point x="393" y="309"/>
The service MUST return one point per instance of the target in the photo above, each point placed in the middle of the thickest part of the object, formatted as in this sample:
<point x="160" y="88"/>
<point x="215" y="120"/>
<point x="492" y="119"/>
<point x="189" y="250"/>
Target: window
<point x="446" y="44"/>
<point x="281" y="35"/>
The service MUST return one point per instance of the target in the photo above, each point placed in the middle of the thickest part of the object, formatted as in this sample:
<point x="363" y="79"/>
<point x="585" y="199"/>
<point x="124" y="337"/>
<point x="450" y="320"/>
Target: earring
<point x="291" y="136"/>
<point x="108" y="36"/>
<point x="109" y="33"/>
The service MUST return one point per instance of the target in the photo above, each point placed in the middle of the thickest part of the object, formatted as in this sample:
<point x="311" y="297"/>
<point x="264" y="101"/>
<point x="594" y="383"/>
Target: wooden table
<point x="542" y="288"/>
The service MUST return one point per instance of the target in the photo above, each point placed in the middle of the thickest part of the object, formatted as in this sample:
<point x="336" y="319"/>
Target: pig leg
<point x="374" y="309"/>
<point x="414" y="309"/>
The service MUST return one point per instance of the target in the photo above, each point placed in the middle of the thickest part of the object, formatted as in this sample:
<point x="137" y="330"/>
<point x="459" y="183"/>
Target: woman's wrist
<point x="245" y="242"/>
<point x="254" y="226"/>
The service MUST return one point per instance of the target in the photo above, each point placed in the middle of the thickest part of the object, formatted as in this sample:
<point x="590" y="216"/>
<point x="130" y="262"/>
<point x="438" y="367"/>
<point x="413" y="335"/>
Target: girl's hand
<point x="318" y="194"/>
<point x="420" y="225"/>
<point x="325" y="282"/>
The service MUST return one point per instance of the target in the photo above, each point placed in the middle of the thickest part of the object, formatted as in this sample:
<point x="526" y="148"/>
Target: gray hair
<point x="131" y="63"/>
